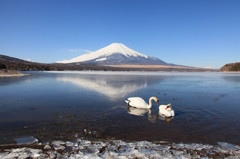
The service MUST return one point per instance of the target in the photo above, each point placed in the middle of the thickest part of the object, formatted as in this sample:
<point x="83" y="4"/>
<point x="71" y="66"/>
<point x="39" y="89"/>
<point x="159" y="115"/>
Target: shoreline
<point x="82" y="148"/>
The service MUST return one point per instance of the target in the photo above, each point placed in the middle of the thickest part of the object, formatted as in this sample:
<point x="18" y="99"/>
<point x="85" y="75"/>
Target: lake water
<point x="71" y="105"/>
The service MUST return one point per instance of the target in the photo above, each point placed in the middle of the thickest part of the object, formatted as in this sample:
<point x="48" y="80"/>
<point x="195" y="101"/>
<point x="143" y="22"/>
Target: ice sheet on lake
<point x="148" y="73"/>
<point x="121" y="149"/>
<point x="26" y="140"/>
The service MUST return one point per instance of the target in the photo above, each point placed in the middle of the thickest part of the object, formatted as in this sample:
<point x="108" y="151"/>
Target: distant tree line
<point x="231" y="67"/>
<point x="2" y="66"/>
<point x="236" y="67"/>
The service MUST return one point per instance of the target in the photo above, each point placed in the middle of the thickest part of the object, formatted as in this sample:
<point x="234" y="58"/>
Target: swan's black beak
<point x="157" y="101"/>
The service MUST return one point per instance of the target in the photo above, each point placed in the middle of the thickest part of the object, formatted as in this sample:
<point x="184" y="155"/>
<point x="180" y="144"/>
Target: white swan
<point x="166" y="110"/>
<point x="138" y="102"/>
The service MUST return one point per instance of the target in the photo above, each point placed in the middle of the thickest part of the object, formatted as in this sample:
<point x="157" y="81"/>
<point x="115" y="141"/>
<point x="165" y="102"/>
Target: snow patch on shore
<point x="121" y="149"/>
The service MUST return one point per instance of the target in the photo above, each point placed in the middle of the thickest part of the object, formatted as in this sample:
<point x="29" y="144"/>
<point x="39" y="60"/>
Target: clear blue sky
<point x="187" y="32"/>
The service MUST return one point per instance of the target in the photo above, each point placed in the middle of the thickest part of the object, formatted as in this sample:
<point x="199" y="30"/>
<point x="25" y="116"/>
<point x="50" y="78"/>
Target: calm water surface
<point x="57" y="105"/>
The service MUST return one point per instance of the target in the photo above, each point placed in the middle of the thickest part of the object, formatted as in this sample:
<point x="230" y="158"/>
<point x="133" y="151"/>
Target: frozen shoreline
<point x="81" y="148"/>
<point x="12" y="75"/>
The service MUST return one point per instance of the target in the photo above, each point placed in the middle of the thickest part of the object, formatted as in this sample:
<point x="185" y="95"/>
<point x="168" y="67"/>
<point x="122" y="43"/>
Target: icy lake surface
<point x="76" y="108"/>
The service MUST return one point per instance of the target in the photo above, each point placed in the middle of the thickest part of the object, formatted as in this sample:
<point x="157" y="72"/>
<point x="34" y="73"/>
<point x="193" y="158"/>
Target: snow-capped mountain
<point x="117" y="54"/>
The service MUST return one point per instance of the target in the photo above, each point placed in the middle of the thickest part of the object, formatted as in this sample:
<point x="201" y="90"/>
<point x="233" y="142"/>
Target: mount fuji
<point x="116" y="54"/>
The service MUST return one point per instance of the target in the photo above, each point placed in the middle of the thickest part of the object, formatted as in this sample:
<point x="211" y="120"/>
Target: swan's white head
<point x="168" y="107"/>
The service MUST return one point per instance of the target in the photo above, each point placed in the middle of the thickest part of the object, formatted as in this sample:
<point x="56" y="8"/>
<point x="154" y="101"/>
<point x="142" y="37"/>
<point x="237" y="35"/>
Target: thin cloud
<point x="29" y="60"/>
<point x="87" y="51"/>
<point x="78" y="51"/>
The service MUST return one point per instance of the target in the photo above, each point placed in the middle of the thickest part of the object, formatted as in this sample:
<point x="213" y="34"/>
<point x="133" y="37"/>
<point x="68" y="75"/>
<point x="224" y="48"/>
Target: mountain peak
<point x="119" y="48"/>
<point x="116" y="44"/>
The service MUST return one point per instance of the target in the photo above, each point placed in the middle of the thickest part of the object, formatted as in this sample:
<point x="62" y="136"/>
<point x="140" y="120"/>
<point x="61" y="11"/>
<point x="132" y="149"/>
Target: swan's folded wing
<point x="137" y="102"/>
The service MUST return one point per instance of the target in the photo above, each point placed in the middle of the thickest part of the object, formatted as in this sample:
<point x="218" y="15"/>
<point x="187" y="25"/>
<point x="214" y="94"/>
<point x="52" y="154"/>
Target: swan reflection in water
<point x="151" y="118"/>
<point x="137" y="111"/>
<point x="167" y="119"/>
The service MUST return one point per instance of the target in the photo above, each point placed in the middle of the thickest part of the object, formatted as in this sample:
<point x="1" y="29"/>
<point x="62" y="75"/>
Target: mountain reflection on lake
<point x="113" y="86"/>
<point x="68" y="105"/>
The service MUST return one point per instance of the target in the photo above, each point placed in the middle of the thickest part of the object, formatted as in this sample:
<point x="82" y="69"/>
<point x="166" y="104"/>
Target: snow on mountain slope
<point x="104" y="52"/>
<point x="115" y="53"/>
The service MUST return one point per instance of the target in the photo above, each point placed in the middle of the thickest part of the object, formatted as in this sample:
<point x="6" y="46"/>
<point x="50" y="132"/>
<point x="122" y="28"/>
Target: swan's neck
<point x="150" y="102"/>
